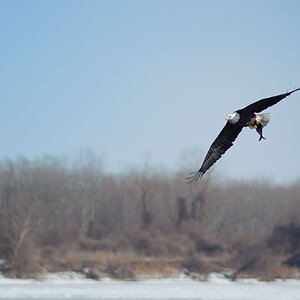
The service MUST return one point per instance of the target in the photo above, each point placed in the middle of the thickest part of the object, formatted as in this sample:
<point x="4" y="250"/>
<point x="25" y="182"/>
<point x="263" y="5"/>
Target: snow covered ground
<point x="70" y="286"/>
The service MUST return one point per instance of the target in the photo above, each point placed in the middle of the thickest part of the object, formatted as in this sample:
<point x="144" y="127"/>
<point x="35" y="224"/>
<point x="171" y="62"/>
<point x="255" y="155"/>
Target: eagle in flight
<point x="236" y="121"/>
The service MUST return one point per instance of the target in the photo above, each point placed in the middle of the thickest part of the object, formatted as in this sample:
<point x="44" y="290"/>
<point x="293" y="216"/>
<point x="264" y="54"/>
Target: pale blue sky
<point x="126" y="78"/>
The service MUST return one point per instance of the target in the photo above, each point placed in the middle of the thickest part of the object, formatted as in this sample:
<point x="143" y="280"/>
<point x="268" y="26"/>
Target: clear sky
<point x="129" y="79"/>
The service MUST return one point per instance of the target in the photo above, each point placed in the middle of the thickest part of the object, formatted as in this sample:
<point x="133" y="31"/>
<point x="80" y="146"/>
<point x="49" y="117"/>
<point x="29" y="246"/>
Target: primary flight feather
<point x="245" y="117"/>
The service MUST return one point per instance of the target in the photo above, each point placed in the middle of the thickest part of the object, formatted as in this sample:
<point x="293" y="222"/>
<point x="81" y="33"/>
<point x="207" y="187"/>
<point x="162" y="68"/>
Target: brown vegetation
<point x="57" y="217"/>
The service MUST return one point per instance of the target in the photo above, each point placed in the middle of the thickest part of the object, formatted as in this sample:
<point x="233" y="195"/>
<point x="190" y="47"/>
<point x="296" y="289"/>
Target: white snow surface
<point x="74" y="286"/>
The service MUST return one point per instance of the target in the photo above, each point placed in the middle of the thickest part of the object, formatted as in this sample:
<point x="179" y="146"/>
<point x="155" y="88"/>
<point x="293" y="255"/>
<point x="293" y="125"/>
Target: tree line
<point x="48" y="206"/>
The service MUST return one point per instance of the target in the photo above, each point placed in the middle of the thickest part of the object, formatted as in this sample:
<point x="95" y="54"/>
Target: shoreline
<point x="73" y="277"/>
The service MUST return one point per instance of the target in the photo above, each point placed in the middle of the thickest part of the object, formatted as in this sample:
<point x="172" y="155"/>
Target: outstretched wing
<point x="220" y="145"/>
<point x="263" y="104"/>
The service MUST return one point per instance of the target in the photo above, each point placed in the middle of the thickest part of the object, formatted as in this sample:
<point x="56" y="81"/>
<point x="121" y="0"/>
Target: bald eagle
<point x="236" y="121"/>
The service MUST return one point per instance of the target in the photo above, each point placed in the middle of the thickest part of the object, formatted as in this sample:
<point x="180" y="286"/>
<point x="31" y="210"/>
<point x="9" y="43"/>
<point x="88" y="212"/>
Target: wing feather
<point x="220" y="145"/>
<point x="263" y="104"/>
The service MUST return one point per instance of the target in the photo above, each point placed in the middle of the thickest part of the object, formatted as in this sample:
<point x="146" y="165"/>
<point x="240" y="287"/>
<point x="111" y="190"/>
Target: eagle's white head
<point x="232" y="118"/>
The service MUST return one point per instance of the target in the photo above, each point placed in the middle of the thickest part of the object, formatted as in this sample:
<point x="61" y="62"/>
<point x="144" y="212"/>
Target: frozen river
<point x="216" y="288"/>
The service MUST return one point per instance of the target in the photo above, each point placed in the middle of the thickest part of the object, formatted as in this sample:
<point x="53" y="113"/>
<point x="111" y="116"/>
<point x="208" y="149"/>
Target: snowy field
<point x="67" y="286"/>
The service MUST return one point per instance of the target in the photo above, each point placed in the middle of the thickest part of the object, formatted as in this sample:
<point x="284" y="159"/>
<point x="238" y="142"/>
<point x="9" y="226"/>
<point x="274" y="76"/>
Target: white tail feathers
<point x="263" y="119"/>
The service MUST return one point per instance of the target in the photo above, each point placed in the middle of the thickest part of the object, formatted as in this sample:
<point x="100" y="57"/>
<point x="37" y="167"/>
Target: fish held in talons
<point x="259" y="131"/>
